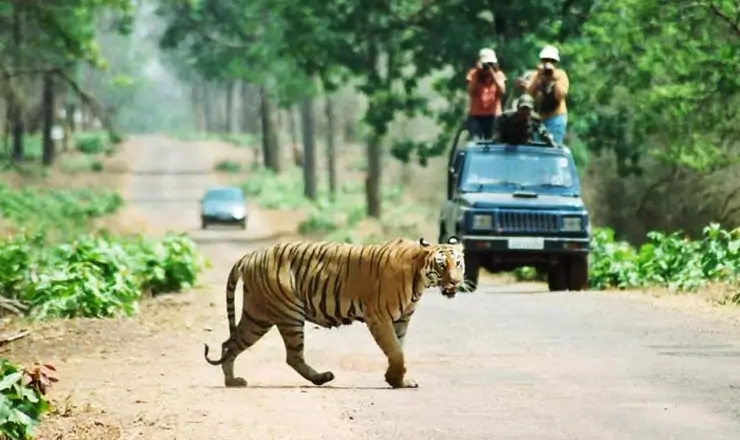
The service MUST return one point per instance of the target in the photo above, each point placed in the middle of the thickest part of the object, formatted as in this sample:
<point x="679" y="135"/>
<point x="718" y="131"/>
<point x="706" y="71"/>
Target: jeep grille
<point x="520" y="221"/>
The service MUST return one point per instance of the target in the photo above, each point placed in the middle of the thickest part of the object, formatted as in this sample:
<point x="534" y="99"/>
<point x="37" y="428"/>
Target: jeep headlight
<point x="572" y="224"/>
<point x="482" y="221"/>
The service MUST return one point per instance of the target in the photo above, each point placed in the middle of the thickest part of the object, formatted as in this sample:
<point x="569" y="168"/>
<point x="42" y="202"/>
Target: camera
<point x="488" y="66"/>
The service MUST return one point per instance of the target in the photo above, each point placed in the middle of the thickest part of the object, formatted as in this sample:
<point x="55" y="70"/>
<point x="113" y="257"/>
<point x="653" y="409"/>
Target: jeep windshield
<point x="516" y="169"/>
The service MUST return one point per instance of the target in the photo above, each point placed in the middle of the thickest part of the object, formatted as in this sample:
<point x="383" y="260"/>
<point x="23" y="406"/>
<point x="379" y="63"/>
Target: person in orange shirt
<point x="549" y="87"/>
<point x="486" y="87"/>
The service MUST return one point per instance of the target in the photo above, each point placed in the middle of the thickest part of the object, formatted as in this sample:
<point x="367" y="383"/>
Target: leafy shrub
<point x="22" y="400"/>
<point x="668" y="260"/>
<point x="229" y="166"/>
<point x="95" y="275"/>
<point x="43" y="209"/>
<point x="275" y="191"/>
<point x="95" y="143"/>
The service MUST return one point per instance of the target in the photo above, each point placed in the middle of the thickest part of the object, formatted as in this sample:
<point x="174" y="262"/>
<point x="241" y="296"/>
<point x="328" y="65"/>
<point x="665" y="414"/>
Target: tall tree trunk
<point x="230" y="107"/>
<point x="270" y="144"/>
<point x="331" y="148"/>
<point x="308" y="126"/>
<point x="208" y="107"/>
<point x="372" y="181"/>
<point x="295" y="146"/>
<point x="248" y="116"/>
<point x="18" y="127"/>
<point x="48" y="108"/>
<point x="196" y="103"/>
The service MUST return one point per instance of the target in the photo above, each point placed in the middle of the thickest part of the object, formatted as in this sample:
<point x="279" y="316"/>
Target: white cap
<point x="487" y="55"/>
<point x="550" y="53"/>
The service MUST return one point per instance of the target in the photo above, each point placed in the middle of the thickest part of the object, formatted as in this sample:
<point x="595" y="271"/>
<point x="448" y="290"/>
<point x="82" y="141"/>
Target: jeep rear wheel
<point x="472" y="268"/>
<point x="578" y="273"/>
<point x="557" y="278"/>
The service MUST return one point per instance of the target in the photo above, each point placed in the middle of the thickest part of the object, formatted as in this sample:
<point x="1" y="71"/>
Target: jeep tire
<point x="472" y="268"/>
<point x="569" y="274"/>
<point x="577" y="272"/>
<point x="557" y="278"/>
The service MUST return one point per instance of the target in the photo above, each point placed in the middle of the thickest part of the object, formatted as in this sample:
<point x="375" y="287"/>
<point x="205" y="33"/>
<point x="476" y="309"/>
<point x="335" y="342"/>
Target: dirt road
<point x="508" y="362"/>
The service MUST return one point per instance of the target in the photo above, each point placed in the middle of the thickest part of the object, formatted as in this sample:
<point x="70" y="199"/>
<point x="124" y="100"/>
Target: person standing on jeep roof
<point x="518" y="127"/>
<point x="549" y="87"/>
<point x="486" y="87"/>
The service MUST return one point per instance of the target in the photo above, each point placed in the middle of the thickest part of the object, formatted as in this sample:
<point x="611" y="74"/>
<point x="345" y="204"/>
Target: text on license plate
<point x="532" y="243"/>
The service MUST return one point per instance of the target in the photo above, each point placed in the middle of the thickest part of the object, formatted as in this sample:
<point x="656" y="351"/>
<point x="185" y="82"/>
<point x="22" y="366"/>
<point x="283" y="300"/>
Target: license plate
<point x="531" y="243"/>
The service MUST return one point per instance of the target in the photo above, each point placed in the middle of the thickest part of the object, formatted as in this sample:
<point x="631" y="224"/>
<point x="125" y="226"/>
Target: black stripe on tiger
<point x="330" y="285"/>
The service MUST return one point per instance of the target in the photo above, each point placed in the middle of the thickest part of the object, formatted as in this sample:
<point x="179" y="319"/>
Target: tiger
<point x="330" y="285"/>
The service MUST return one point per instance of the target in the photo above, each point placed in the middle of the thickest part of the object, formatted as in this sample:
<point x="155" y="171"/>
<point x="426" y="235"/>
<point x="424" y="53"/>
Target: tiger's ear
<point x="423" y="242"/>
<point x="453" y="240"/>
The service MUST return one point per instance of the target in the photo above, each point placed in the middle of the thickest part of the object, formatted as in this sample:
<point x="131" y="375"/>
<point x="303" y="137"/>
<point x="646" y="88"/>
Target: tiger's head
<point x="444" y="265"/>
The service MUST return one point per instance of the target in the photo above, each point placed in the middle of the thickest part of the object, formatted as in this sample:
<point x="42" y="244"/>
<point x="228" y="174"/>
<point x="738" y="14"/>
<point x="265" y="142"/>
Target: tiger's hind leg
<point x="293" y="337"/>
<point x="248" y="332"/>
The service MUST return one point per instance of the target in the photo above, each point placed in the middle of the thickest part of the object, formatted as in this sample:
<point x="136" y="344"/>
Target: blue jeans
<point x="556" y="125"/>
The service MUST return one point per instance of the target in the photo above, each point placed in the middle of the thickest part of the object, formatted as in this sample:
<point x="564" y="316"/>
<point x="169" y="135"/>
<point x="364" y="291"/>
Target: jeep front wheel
<point x="472" y="268"/>
<point x="578" y="273"/>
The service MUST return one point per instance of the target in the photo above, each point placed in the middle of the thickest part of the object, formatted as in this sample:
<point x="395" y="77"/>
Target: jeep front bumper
<point x="523" y="244"/>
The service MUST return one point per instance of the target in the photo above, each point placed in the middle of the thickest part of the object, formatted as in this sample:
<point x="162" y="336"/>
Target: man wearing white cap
<point x="549" y="87"/>
<point x="486" y="87"/>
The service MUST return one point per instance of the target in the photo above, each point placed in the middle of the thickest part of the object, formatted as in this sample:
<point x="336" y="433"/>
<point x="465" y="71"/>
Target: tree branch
<point x="98" y="109"/>
<point x="734" y="24"/>
<point x="12" y="306"/>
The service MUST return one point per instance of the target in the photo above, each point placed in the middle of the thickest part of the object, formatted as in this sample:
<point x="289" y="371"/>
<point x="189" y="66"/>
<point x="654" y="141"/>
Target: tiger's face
<point x="445" y="266"/>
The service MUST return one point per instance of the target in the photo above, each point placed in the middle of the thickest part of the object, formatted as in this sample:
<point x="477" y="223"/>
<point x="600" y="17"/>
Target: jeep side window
<point x="456" y="171"/>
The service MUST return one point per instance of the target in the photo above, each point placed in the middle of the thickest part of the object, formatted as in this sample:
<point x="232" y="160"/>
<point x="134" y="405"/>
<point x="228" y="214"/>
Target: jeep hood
<point x="507" y="200"/>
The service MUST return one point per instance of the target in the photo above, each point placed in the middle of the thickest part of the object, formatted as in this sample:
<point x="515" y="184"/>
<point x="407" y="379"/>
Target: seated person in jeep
<point x="517" y="126"/>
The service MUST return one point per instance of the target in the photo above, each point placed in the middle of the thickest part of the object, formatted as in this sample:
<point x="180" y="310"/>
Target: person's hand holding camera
<point x="547" y="70"/>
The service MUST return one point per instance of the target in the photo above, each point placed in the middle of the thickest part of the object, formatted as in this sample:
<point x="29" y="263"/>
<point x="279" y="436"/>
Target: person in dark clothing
<point x="518" y="126"/>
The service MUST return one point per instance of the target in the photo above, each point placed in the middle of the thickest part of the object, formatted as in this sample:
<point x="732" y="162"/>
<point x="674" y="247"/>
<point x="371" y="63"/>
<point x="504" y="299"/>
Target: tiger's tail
<point x="234" y="276"/>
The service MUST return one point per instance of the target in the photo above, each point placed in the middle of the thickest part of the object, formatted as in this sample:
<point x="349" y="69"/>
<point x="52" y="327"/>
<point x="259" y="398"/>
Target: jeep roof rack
<point x="489" y="143"/>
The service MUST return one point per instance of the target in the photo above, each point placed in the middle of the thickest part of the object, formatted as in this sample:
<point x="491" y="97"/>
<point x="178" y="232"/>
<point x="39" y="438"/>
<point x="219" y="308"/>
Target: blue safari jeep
<point x="515" y="206"/>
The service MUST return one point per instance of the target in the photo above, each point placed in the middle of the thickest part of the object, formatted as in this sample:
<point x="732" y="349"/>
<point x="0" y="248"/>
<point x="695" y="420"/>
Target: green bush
<point x="275" y="191"/>
<point x="57" y="271"/>
<point x="62" y="210"/>
<point x="229" y="166"/>
<point x="95" y="275"/>
<point x="22" y="400"/>
<point x="94" y="143"/>
<point x="666" y="260"/>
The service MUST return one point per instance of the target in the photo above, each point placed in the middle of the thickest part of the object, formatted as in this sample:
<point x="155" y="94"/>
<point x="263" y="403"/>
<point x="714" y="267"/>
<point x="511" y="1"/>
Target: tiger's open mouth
<point x="448" y="290"/>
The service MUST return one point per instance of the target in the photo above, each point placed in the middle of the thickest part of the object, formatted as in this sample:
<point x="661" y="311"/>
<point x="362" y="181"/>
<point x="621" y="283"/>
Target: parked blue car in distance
<point x="515" y="206"/>
<point x="223" y="205"/>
